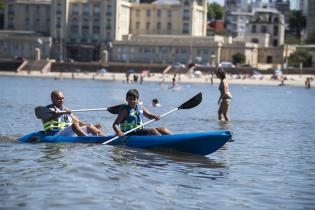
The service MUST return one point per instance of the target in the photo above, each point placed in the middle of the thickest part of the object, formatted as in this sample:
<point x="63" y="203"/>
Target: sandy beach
<point x="291" y="79"/>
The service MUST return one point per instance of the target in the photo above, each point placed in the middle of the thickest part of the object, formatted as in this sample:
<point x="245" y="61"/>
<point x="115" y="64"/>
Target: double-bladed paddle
<point x="191" y="103"/>
<point x="43" y="112"/>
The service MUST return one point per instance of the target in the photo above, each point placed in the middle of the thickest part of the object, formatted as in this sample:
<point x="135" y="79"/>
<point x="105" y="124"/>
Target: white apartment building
<point x="268" y="21"/>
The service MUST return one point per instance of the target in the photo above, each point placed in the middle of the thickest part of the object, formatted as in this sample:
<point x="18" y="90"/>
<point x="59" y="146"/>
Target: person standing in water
<point x="225" y="96"/>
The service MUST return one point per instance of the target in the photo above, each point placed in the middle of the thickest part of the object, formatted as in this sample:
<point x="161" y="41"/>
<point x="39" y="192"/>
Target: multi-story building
<point x="268" y="21"/>
<point x="83" y="29"/>
<point x="80" y="29"/>
<point x="236" y="23"/>
<point x="283" y="6"/>
<point x="187" y="17"/>
<point x="28" y="15"/>
<point x="302" y="6"/>
<point x="235" y="5"/>
<point x="310" y="18"/>
<point x="236" y="16"/>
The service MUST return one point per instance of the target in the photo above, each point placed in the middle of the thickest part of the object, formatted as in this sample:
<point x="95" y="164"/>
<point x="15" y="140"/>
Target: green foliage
<point x="297" y="22"/>
<point x="299" y="56"/>
<point x="1" y="4"/>
<point x="222" y="33"/>
<point x="291" y="39"/>
<point x="311" y="37"/>
<point x="215" y="11"/>
<point x="238" y="58"/>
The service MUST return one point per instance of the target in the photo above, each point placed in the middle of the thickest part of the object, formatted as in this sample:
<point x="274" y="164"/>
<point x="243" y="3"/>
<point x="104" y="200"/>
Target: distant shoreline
<point x="292" y="80"/>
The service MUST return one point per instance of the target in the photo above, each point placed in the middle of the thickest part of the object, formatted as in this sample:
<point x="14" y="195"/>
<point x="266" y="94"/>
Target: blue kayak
<point x="197" y="143"/>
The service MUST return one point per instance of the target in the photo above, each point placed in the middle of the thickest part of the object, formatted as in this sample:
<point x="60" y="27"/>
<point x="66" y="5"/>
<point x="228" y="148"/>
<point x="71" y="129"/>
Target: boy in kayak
<point x="65" y="124"/>
<point x="131" y="116"/>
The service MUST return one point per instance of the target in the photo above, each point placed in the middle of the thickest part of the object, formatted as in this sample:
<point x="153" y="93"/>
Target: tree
<point x="297" y="22"/>
<point x="1" y="4"/>
<point x="238" y="58"/>
<point x="311" y="37"/>
<point x="215" y="11"/>
<point x="300" y="56"/>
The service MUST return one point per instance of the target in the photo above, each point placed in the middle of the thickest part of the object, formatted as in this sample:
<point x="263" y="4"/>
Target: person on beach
<point x="131" y="116"/>
<point x="174" y="81"/>
<point x="59" y="124"/>
<point x="225" y="96"/>
<point x="308" y="82"/>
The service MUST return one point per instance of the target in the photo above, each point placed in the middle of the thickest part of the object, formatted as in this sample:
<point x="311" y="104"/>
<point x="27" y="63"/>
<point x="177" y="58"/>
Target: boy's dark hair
<point x="132" y="92"/>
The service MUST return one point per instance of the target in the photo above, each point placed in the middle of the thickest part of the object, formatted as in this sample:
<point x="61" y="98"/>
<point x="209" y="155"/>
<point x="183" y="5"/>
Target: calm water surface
<point x="270" y="165"/>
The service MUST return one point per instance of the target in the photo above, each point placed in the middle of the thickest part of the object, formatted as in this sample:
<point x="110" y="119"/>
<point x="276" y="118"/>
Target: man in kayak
<point x="131" y="116"/>
<point x="65" y="124"/>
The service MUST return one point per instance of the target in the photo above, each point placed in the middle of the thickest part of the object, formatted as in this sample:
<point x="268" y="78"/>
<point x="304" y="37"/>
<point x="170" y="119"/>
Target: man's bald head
<point x="57" y="98"/>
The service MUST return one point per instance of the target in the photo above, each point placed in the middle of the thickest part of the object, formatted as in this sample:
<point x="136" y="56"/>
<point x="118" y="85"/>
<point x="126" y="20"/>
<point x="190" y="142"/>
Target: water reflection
<point x="189" y="164"/>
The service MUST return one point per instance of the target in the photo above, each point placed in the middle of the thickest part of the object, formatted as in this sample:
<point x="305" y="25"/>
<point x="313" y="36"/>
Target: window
<point x="148" y="13"/>
<point x="275" y="30"/>
<point x="158" y="13"/>
<point x="85" y="9"/>
<point x="138" y="25"/>
<point x="185" y="28"/>
<point x="147" y="26"/>
<point x="85" y="24"/>
<point x="269" y="59"/>
<point x="27" y="8"/>
<point x="138" y="12"/>
<point x="75" y="8"/>
<point x="58" y="24"/>
<point x="96" y="9"/>
<point x="275" y="43"/>
<point x="186" y="2"/>
<point x="254" y="29"/>
<point x="254" y="40"/>
<point x="276" y="20"/>
<point x="169" y="26"/>
<point x="108" y="24"/>
<point x="11" y="9"/>
<point x="109" y="10"/>
<point x="158" y="26"/>
<point x="264" y="29"/>
<point x="186" y="14"/>
<point x="169" y="13"/>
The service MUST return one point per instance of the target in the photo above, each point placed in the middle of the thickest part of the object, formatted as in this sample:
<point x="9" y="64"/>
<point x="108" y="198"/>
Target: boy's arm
<point x="120" y="118"/>
<point x="149" y="115"/>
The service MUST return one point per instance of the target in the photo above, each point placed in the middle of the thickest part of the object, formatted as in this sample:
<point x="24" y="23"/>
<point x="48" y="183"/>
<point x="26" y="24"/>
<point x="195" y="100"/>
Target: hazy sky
<point x="293" y="2"/>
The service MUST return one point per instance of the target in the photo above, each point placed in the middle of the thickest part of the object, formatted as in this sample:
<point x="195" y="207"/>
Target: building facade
<point x="81" y="29"/>
<point x="310" y="18"/>
<point x="186" y="18"/>
<point x="23" y="44"/>
<point x="29" y="15"/>
<point x="268" y="21"/>
<point x="170" y="49"/>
